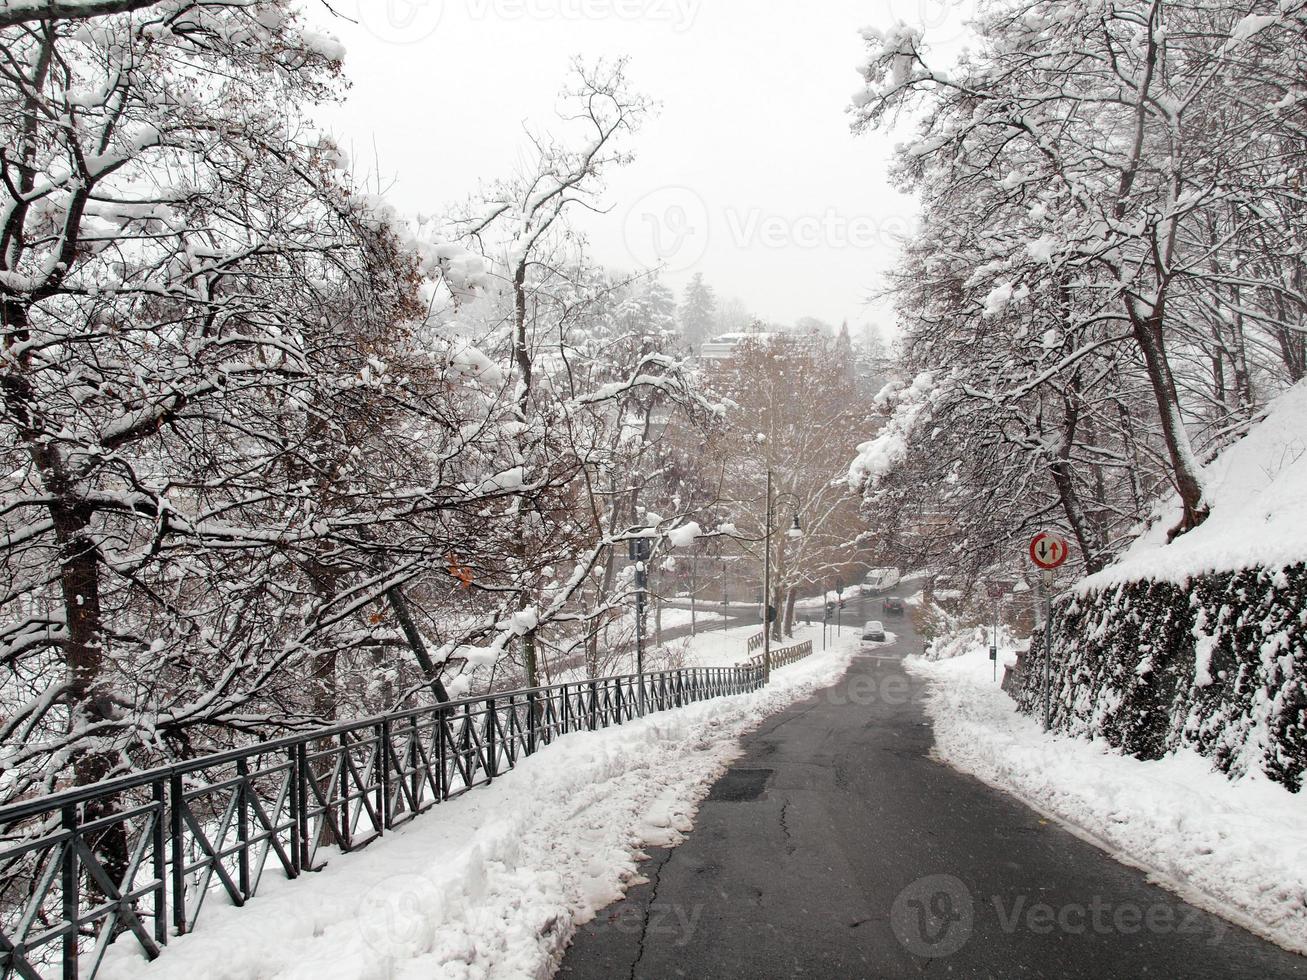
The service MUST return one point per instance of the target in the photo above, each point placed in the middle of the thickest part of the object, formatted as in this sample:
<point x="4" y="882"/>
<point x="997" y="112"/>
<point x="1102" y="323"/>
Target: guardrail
<point x="790" y="654"/>
<point x="141" y="854"/>
<point x="785" y="655"/>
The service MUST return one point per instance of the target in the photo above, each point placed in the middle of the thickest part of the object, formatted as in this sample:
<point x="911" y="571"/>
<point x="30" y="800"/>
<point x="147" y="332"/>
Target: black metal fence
<point x="139" y="856"/>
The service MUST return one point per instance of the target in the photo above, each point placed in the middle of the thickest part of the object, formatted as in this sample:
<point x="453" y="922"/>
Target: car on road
<point x="893" y="605"/>
<point x="879" y="580"/>
<point x="873" y="631"/>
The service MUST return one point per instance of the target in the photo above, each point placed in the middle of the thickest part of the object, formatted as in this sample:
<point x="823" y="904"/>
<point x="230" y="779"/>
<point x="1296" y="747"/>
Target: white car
<point x="873" y="632"/>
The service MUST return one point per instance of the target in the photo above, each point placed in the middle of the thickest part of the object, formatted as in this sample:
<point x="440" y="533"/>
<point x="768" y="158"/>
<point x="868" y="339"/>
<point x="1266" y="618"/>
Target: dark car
<point x="893" y="604"/>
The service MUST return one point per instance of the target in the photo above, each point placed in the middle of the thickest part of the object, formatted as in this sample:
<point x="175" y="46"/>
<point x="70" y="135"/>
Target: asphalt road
<point x="837" y="848"/>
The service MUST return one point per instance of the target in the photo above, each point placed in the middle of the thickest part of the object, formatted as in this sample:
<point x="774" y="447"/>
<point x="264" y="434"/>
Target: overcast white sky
<point x="748" y="174"/>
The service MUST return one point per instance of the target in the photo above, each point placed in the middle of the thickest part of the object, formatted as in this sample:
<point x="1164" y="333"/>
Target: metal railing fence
<point x="139" y="856"/>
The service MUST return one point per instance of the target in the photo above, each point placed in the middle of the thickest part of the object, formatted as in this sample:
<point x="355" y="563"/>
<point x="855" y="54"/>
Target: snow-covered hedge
<point x="1218" y="663"/>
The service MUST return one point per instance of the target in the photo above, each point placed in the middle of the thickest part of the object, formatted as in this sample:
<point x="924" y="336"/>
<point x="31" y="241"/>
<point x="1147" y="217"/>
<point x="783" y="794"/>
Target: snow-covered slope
<point x="1257" y="491"/>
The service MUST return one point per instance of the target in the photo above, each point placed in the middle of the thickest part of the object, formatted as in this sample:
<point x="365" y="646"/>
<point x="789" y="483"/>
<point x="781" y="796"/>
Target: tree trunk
<point x="1060" y="468"/>
<point x="89" y="702"/>
<point x="325" y="695"/>
<point x="1184" y="467"/>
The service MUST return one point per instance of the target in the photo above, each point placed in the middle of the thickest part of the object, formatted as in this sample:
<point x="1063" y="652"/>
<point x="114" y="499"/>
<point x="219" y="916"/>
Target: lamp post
<point x="639" y="552"/>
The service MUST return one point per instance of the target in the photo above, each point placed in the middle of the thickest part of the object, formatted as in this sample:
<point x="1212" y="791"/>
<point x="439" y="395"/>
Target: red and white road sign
<point x="1048" y="551"/>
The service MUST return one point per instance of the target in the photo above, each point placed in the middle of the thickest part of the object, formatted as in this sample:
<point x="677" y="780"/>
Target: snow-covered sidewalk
<point x="494" y="883"/>
<point x="1238" y="849"/>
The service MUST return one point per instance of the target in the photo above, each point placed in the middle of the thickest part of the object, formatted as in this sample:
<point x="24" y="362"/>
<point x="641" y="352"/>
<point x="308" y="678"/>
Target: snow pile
<point x="493" y="884"/>
<point x="1257" y="491"/>
<point x="963" y="642"/>
<point x="1236" y="848"/>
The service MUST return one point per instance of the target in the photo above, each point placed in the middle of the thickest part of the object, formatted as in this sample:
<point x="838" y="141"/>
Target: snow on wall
<point x="1218" y="665"/>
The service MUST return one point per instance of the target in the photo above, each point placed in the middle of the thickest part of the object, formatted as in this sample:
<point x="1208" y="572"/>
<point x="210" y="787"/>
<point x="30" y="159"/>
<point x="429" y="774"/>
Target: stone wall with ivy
<point x="1218" y="664"/>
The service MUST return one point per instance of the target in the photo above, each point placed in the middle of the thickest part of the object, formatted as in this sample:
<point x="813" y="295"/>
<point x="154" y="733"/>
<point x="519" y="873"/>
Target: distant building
<point x="723" y="347"/>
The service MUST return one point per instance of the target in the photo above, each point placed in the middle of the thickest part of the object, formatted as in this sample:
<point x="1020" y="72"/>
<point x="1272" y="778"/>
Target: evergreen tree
<point x="697" y="312"/>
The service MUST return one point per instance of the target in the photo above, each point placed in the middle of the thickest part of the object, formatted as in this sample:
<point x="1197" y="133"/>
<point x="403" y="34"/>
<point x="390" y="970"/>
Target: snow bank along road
<point x="1238" y="848"/>
<point x="837" y="846"/>
<point x="491" y="884"/>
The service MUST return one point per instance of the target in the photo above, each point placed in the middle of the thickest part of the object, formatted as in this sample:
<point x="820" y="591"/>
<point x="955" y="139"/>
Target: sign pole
<point x="993" y="647"/>
<point x="1047" y="577"/>
<point x="1049" y="552"/>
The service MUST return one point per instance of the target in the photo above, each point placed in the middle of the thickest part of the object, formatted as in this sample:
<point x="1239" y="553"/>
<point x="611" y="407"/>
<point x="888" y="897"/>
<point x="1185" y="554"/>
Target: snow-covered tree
<point x="698" y="312"/>
<point x="1095" y="177"/>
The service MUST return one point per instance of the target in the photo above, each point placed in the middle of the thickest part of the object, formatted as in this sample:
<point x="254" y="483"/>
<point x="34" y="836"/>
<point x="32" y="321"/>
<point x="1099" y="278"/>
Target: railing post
<point x="414" y="762"/>
<point x="175" y="791"/>
<point x="160" y="863"/>
<point x="491" y="764"/>
<point x="465" y="744"/>
<point x="442" y="749"/>
<point x="70" y="884"/>
<point x="243" y="827"/>
<point x="530" y="723"/>
<point x="296" y="804"/>
<point x="342" y="788"/>
<point x="302" y="776"/>
<point x="383" y="807"/>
